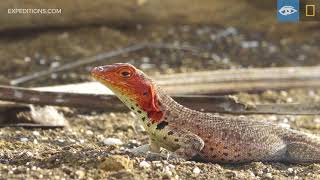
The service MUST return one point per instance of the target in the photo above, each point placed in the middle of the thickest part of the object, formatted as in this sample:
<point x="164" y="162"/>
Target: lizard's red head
<point x="132" y="86"/>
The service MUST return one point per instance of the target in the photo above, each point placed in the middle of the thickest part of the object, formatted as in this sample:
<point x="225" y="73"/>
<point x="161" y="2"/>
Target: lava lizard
<point x="207" y="137"/>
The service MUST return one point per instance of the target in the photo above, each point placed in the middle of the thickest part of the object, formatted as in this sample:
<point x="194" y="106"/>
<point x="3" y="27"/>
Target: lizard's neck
<point x="169" y="109"/>
<point x="169" y="105"/>
<point x="173" y="111"/>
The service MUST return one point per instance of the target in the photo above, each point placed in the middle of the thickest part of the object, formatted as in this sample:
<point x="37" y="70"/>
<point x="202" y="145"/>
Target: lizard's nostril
<point x="99" y="68"/>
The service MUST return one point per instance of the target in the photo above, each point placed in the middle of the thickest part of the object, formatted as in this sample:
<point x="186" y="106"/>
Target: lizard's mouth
<point x="101" y="78"/>
<point x="98" y="75"/>
<point x="116" y="86"/>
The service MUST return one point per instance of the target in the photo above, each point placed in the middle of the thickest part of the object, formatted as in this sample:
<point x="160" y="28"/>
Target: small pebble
<point x="259" y="172"/>
<point x="116" y="163"/>
<point x="284" y="93"/>
<point x="100" y="136"/>
<point x="133" y="141"/>
<point x="81" y="174"/>
<point x="166" y="170"/>
<point x="268" y="176"/>
<point x="273" y="118"/>
<point x="157" y="164"/>
<point x="252" y="174"/>
<point x="30" y="154"/>
<point x="290" y="170"/>
<point x="144" y="164"/>
<point x="88" y="132"/>
<point x="196" y="170"/>
<point x="171" y="166"/>
<point x="284" y="125"/>
<point x="36" y="133"/>
<point x="113" y="115"/>
<point x="27" y="59"/>
<point x="24" y="139"/>
<point x="55" y="64"/>
<point x="249" y="44"/>
<point x="168" y="173"/>
<point x="112" y="141"/>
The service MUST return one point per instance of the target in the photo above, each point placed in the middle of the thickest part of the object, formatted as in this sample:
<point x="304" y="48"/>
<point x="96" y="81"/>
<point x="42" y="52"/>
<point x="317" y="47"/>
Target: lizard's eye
<point x="126" y="73"/>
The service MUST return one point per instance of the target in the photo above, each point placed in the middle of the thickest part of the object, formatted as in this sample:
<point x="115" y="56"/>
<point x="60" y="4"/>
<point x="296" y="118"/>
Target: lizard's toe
<point x="175" y="157"/>
<point x="156" y="156"/>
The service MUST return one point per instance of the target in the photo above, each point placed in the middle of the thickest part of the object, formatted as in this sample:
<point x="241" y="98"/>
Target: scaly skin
<point x="208" y="137"/>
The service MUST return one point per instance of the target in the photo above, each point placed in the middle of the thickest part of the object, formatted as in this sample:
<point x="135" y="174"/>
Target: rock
<point x="144" y="164"/>
<point x="171" y="166"/>
<point x="112" y="141"/>
<point x="24" y="139"/>
<point x="268" y="176"/>
<point x="157" y="164"/>
<point x="81" y="174"/>
<point x="88" y="132"/>
<point x="36" y="133"/>
<point x="116" y="163"/>
<point x="196" y="170"/>
<point x="290" y="170"/>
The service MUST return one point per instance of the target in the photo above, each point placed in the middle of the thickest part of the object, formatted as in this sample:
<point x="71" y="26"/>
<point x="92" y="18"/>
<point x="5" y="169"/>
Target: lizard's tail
<point x="302" y="147"/>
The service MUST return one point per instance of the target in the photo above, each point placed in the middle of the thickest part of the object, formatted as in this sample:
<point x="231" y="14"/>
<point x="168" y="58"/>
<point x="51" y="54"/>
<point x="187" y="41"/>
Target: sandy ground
<point x="82" y="151"/>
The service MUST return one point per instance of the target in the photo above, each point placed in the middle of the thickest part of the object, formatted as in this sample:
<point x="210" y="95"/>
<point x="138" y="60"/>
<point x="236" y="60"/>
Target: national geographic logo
<point x="298" y="10"/>
<point x="310" y="10"/>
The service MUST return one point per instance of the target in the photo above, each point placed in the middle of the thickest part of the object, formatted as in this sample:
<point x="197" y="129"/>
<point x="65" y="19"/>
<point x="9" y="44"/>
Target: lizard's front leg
<point x="184" y="144"/>
<point x="189" y="144"/>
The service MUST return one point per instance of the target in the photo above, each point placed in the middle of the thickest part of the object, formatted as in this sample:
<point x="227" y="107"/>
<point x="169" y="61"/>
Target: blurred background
<point x="232" y="34"/>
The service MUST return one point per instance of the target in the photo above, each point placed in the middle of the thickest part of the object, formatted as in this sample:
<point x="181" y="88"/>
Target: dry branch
<point x="221" y="81"/>
<point x="223" y="104"/>
<point x="240" y="80"/>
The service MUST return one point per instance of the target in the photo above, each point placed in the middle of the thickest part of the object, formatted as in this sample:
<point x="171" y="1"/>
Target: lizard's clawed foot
<point x="141" y="150"/>
<point x="151" y="156"/>
<point x="146" y="152"/>
<point x="159" y="156"/>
